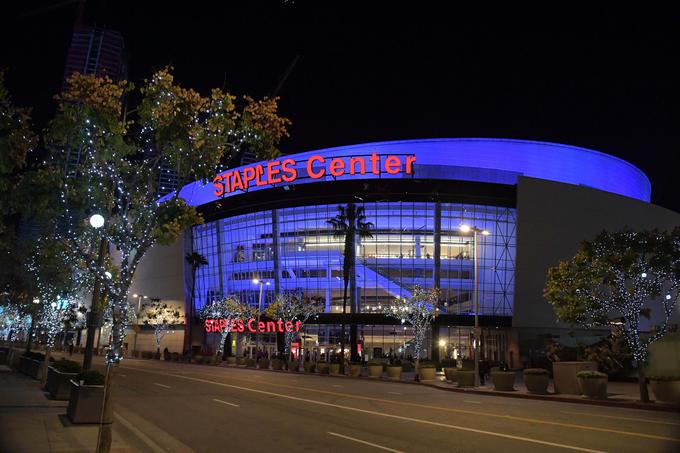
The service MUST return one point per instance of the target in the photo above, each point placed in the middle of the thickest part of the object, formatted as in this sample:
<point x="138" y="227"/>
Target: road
<point x="179" y="407"/>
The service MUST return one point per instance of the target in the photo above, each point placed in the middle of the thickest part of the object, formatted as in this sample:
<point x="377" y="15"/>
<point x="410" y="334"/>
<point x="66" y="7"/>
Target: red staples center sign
<point x="252" y="326"/>
<point x="285" y="170"/>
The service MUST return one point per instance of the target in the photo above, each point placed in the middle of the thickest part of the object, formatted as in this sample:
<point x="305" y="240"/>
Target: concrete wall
<point x="552" y="219"/>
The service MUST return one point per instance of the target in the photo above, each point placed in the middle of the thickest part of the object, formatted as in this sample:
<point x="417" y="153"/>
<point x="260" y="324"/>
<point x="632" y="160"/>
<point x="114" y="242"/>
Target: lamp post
<point x="475" y="230"/>
<point x="259" y="310"/>
<point x="93" y="317"/>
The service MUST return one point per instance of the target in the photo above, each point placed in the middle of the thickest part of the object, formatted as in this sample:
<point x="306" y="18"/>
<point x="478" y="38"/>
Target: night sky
<point x="602" y="78"/>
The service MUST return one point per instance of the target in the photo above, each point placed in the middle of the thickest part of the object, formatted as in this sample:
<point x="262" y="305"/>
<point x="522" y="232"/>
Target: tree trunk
<point x="46" y="363"/>
<point x="30" y="334"/>
<point x="342" y="331"/>
<point x="642" y="381"/>
<point x="106" y="429"/>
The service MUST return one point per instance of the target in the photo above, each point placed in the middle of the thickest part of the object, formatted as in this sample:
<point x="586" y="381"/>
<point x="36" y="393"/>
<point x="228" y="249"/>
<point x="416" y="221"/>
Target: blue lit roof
<point x="499" y="161"/>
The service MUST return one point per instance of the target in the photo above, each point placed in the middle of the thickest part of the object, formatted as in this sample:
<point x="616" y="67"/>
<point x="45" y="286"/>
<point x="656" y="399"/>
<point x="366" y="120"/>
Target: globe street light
<point x="257" y="281"/>
<point x="475" y="230"/>
<point x="97" y="221"/>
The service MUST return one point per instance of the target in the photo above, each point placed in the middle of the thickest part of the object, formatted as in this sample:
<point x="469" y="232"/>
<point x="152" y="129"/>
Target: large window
<point x="400" y="254"/>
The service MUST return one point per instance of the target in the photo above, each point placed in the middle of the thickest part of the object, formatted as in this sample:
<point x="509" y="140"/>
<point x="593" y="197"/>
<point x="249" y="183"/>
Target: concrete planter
<point x="309" y="367"/>
<point x="240" y="361"/>
<point x="30" y="367"/>
<point x="355" y="369"/>
<point x="4" y="352"/>
<point x="564" y="376"/>
<point x="250" y="363"/>
<point x="294" y="366"/>
<point x="666" y="391"/>
<point x="595" y="388"/>
<point x="85" y="404"/>
<point x="394" y="372"/>
<point x="322" y="368"/>
<point x="450" y="374"/>
<point x="465" y="378"/>
<point x="263" y="364"/>
<point x="231" y="360"/>
<point x="277" y="364"/>
<point x="334" y="369"/>
<point x="59" y="384"/>
<point x="537" y="383"/>
<point x="375" y="371"/>
<point x="427" y="374"/>
<point x="503" y="381"/>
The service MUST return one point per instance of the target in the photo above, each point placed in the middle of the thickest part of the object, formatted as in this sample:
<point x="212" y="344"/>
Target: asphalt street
<point x="178" y="407"/>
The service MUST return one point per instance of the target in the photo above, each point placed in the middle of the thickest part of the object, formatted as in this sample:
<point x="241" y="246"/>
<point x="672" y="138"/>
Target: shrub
<point x="67" y="366"/>
<point x="664" y="378"/>
<point x="590" y="375"/>
<point x="40" y="357"/>
<point x="427" y="365"/>
<point x="406" y="366"/>
<point x="91" y="377"/>
<point x="373" y="363"/>
<point x="536" y="372"/>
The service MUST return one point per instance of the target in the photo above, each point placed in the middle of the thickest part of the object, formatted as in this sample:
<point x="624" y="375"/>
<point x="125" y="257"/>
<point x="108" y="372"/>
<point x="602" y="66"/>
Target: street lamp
<point x="475" y="230"/>
<point x="93" y="318"/>
<point x="259" y="310"/>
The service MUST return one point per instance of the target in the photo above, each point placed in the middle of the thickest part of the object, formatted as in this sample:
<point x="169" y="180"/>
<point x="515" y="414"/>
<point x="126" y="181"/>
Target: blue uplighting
<point x="498" y="161"/>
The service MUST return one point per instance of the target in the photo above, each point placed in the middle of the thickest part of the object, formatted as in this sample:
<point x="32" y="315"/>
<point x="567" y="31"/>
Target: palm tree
<point x="348" y="224"/>
<point x="195" y="260"/>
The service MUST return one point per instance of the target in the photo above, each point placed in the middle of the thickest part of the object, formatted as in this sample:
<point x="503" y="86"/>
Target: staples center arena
<point x="269" y="221"/>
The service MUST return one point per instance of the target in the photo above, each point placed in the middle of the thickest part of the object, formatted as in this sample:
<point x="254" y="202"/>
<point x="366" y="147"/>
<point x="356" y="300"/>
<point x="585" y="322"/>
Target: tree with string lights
<point x="616" y="280"/>
<point x="111" y="162"/>
<point x="418" y="311"/>
<point x="225" y="312"/>
<point x="292" y="307"/>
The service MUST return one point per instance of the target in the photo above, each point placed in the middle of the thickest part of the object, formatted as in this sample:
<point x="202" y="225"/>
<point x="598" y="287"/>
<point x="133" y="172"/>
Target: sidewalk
<point x="31" y="422"/>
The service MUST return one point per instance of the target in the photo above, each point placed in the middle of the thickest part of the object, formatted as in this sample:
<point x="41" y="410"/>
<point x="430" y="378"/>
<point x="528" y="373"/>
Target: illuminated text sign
<point x="285" y="170"/>
<point x="252" y="326"/>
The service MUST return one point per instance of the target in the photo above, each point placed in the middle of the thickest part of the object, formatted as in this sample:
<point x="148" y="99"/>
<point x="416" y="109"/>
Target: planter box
<point x="537" y="383"/>
<point x="231" y="360"/>
<point x="4" y="352"/>
<point x="85" y="404"/>
<point x="59" y="384"/>
<point x="503" y="381"/>
<point x="277" y="364"/>
<point x="564" y="376"/>
<point x="294" y="366"/>
<point x="394" y="372"/>
<point x="595" y="388"/>
<point x="375" y="371"/>
<point x="30" y="367"/>
<point x="355" y="369"/>
<point x="322" y="367"/>
<point x="263" y="364"/>
<point x="427" y="374"/>
<point x="666" y="391"/>
<point x="240" y="360"/>
<point x="465" y="378"/>
<point x="450" y="374"/>
<point x="334" y="369"/>
<point x="309" y="367"/>
<point x="250" y="363"/>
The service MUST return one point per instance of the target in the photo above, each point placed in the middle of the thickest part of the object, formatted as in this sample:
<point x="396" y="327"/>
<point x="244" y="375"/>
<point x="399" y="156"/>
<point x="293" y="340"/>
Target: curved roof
<point x="499" y="161"/>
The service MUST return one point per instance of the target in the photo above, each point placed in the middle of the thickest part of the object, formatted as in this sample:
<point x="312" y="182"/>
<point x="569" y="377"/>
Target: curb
<point x="651" y="406"/>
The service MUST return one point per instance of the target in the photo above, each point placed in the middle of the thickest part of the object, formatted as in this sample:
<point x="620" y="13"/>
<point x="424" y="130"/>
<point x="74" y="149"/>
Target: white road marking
<point x="397" y="417"/>
<point x="338" y="386"/>
<point x="646" y="420"/>
<point x="143" y="437"/>
<point x="472" y="402"/>
<point x="225" y="402"/>
<point x="394" y="393"/>
<point x="122" y="375"/>
<point x="162" y="385"/>
<point x="365" y="443"/>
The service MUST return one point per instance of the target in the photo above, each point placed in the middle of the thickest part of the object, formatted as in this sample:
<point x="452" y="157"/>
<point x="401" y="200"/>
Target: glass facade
<point x="294" y="250"/>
